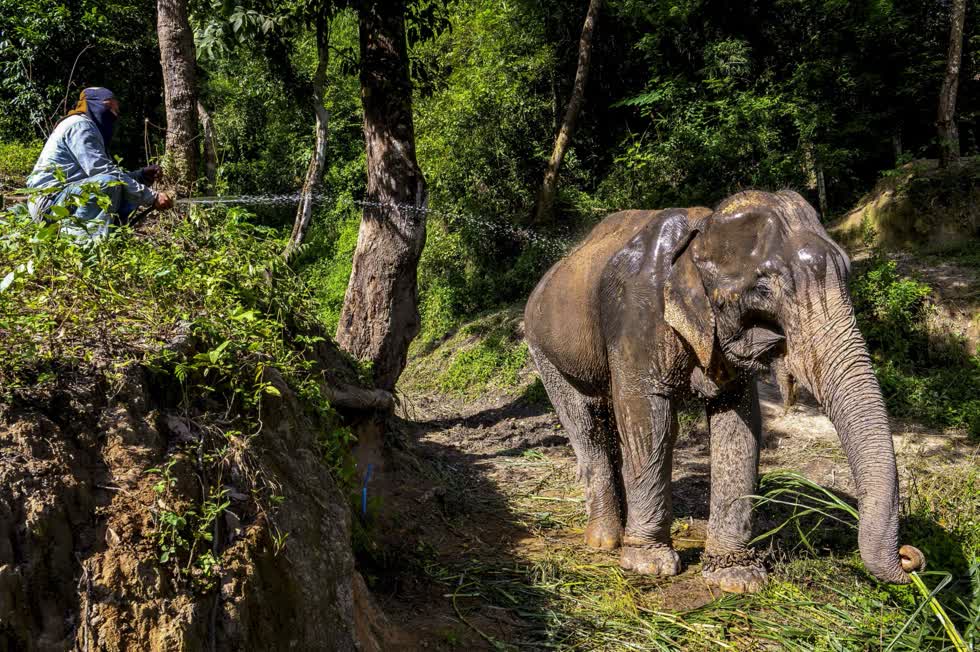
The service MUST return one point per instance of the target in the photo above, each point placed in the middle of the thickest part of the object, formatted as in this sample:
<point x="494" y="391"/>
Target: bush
<point x="215" y="276"/>
<point x="892" y="309"/>
<point x="16" y="162"/>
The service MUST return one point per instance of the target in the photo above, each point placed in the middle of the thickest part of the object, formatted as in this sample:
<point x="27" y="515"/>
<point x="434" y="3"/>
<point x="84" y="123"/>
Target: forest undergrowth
<point x="206" y="305"/>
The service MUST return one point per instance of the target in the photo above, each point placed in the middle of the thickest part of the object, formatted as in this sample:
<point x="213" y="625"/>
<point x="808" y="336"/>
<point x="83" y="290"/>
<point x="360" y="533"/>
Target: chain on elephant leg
<point x="742" y="571"/>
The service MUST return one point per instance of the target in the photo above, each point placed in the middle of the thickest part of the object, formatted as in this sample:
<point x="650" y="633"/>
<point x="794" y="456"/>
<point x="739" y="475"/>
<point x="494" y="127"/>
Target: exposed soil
<point x="917" y="205"/>
<point x="80" y="556"/>
<point x="491" y="481"/>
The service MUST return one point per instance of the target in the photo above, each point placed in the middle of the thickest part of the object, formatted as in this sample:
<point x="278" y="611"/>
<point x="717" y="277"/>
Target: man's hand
<point x="162" y="201"/>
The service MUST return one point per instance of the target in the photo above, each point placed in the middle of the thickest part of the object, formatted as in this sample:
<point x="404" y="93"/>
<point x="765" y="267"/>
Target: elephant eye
<point x="764" y="288"/>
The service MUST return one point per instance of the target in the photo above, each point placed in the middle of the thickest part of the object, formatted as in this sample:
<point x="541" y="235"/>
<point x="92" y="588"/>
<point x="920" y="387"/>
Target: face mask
<point x="100" y="113"/>
<point x="91" y="102"/>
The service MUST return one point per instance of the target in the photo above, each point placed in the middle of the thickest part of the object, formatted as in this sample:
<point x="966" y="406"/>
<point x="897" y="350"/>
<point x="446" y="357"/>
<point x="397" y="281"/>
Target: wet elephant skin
<point x="653" y="305"/>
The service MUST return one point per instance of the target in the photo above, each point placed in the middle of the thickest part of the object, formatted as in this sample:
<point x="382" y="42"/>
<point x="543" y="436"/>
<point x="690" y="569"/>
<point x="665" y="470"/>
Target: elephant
<point x="656" y="304"/>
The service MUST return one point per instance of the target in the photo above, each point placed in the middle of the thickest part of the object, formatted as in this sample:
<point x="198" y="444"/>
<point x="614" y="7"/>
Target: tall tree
<point x="949" y="136"/>
<point x="318" y="160"/>
<point x="546" y="197"/>
<point x="380" y="316"/>
<point x="178" y="60"/>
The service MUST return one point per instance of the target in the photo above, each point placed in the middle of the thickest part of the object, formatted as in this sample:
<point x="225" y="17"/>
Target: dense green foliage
<point x="687" y="102"/>
<point x="45" y="44"/>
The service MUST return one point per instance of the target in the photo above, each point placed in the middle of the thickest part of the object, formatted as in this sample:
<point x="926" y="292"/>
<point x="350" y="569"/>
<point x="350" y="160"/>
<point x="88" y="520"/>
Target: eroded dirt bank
<point x="83" y="522"/>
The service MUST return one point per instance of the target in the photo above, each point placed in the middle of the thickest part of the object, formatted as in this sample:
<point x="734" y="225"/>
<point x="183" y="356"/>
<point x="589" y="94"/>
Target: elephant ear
<point x="686" y="306"/>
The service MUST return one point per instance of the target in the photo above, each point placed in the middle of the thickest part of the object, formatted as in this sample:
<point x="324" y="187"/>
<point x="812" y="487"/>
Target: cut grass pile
<point x="566" y="603"/>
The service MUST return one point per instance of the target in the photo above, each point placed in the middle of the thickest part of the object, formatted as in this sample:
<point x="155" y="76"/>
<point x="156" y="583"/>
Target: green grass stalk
<point x="938" y="610"/>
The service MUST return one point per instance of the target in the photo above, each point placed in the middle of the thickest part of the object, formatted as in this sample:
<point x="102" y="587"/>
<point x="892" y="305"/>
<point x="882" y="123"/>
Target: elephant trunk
<point x="833" y="362"/>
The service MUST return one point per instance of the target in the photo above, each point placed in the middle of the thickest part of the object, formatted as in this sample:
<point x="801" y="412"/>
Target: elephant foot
<point x="604" y="533"/>
<point x="737" y="572"/>
<point x="650" y="560"/>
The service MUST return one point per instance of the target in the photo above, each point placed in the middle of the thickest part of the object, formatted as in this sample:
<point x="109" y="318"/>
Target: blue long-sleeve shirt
<point x="76" y="147"/>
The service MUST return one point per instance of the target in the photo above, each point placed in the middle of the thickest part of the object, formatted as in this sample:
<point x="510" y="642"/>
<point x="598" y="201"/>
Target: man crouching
<point x="78" y="147"/>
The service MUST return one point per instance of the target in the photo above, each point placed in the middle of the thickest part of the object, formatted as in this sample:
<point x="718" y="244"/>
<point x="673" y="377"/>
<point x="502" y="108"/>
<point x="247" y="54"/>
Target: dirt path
<point x="489" y="485"/>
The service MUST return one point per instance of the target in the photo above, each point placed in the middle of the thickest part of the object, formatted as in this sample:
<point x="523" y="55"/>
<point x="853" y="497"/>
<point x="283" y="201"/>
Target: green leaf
<point x="271" y="390"/>
<point x="7" y="280"/>
<point x="215" y="354"/>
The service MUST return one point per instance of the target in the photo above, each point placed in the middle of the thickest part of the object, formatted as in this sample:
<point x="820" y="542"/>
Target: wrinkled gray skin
<point x="656" y="304"/>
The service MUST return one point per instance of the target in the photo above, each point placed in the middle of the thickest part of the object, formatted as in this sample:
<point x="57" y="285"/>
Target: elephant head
<point x="758" y="280"/>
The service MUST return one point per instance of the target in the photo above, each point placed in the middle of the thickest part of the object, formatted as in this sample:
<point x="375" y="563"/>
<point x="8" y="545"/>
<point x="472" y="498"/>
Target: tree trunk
<point x="546" y="197"/>
<point x="815" y="178"/>
<point x="949" y="137"/>
<point x="210" y="146"/>
<point x="380" y="315"/>
<point x="318" y="160"/>
<point x="177" y="57"/>
<point x="822" y="192"/>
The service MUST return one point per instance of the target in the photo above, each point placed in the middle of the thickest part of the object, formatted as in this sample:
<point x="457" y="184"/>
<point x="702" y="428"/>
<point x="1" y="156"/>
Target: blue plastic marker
<point x="367" y="478"/>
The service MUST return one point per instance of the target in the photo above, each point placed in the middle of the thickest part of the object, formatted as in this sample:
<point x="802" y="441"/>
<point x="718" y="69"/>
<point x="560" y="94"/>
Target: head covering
<point x="91" y="102"/>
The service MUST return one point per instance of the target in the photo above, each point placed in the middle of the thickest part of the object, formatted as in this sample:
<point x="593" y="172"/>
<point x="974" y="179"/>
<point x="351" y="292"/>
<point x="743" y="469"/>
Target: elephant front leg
<point x="647" y="430"/>
<point x="735" y="425"/>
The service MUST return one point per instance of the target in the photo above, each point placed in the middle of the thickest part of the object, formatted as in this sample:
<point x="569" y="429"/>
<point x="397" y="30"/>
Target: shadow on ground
<point x="468" y="508"/>
<point x="443" y="530"/>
